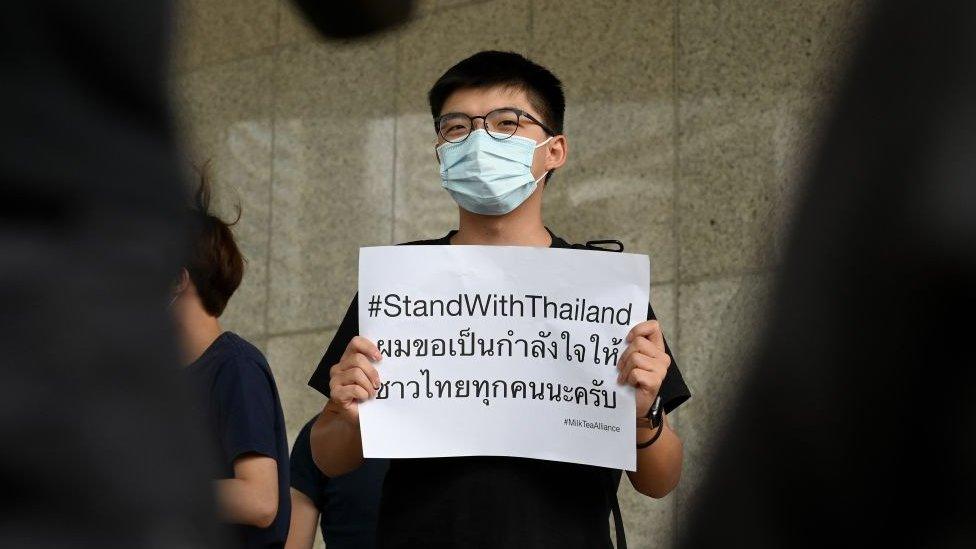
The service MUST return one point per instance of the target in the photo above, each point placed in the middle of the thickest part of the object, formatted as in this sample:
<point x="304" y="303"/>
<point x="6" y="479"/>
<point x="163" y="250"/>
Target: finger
<point x="360" y="361"/>
<point x="624" y="357"/>
<point x="649" y="329"/>
<point x="640" y="329"/>
<point x="647" y="381"/>
<point x="638" y="345"/>
<point x="349" y="393"/>
<point x="640" y="361"/>
<point x="626" y="365"/>
<point x="367" y="367"/>
<point x="636" y="360"/>
<point x="360" y="344"/>
<point x="350" y="377"/>
<point x="356" y="376"/>
<point x="644" y="346"/>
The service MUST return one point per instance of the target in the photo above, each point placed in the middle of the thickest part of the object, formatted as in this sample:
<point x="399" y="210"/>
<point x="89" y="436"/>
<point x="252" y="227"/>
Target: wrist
<point x="338" y="412"/>
<point x="332" y="407"/>
<point x="652" y="423"/>
<point x="651" y="418"/>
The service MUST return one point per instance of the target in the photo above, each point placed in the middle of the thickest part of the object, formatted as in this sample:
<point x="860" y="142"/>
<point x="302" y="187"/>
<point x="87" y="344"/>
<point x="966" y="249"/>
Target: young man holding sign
<point x="499" y="119"/>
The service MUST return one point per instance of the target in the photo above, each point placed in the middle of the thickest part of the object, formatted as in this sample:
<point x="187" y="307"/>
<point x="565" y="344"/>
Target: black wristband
<point x="654" y="414"/>
<point x="657" y="435"/>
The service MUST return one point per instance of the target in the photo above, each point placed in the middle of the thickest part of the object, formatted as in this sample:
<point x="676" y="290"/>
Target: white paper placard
<point x="501" y="351"/>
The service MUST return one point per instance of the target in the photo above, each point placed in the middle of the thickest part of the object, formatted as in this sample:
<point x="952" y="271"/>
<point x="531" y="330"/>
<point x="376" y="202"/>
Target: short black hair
<point x="489" y="69"/>
<point x="215" y="263"/>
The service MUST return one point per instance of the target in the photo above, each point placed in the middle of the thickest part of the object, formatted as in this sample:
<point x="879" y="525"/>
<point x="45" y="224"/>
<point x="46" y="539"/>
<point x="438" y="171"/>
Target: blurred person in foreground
<point x="91" y="229"/>
<point x="856" y="427"/>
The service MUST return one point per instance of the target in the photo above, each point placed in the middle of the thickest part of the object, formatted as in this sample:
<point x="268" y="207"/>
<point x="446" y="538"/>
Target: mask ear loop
<point x="545" y="173"/>
<point x="437" y="153"/>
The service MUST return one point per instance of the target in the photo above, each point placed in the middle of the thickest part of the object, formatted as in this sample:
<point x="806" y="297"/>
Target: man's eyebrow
<point x="513" y="107"/>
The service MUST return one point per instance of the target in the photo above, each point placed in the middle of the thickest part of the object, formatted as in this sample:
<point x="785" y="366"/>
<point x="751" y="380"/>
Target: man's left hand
<point x="644" y="363"/>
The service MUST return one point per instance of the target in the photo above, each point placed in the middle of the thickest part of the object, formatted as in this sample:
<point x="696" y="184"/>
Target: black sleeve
<point x="674" y="392"/>
<point x="246" y="410"/>
<point x="305" y="476"/>
<point x="347" y="330"/>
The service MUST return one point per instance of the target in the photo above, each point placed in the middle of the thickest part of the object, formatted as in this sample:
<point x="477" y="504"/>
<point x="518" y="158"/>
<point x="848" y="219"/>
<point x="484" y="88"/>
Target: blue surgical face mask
<point x="489" y="176"/>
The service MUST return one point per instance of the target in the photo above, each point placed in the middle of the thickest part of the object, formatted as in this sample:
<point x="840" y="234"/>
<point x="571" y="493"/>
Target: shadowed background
<point x="688" y="122"/>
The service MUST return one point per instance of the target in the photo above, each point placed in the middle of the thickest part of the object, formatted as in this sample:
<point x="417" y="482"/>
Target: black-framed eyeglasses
<point x="455" y="127"/>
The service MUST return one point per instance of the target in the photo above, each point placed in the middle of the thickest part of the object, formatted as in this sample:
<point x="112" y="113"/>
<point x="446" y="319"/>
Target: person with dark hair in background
<point x="498" y="121"/>
<point x="238" y="400"/>
<point x="348" y="505"/>
<point x="856" y="427"/>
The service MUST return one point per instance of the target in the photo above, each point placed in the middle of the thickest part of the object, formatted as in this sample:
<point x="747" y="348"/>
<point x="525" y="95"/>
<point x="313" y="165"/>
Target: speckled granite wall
<point x="688" y="121"/>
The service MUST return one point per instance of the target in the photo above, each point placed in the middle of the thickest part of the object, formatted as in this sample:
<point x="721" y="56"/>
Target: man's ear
<point x="557" y="150"/>
<point x="182" y="281"/>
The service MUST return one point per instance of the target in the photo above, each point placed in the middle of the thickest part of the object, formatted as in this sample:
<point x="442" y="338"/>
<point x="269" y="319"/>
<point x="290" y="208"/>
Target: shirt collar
<point x="557" y="242"/>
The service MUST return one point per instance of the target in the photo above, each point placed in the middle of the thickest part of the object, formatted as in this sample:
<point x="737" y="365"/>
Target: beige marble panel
<point x="426" y="48"/>
<point x="720" y="321"/>
<point x="224" y="114"/>
<point x="616" y="67"/>
<point x="608" y="52"/>
<point x="333" y="176"/>
<point x="261" y="343"/>
<point x="293" y="358"/>
<point x="293" y="27"/>
<point x="617" y="182"/>
<point x="747" y="47"/>
<point x="216" y="31"/>
<point x="751" y="78"/>
<point x="664" y="302"/>
<point x="649" y="522"/>
<point x="741" y="161"/>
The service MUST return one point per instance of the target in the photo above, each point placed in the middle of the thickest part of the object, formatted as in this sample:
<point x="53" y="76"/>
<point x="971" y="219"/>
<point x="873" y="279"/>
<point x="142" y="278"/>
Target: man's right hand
<point x="354" y="379"/>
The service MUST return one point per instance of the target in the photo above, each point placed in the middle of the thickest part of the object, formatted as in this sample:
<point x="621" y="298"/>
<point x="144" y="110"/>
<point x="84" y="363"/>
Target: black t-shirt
<point x="489" y="501"/>
<point x="239" y="402"/>
<point x="348" y="505"/>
